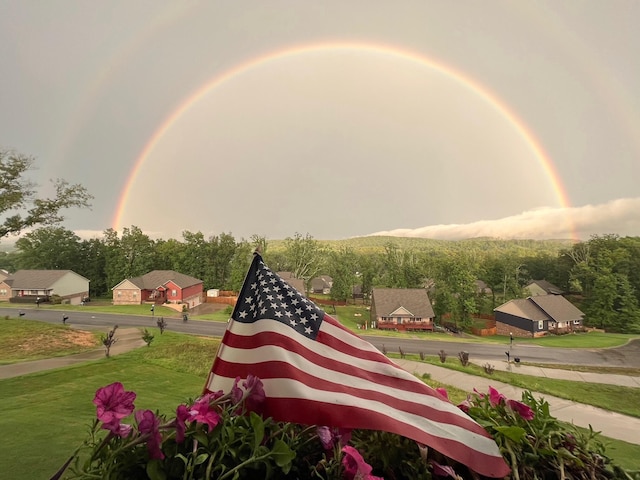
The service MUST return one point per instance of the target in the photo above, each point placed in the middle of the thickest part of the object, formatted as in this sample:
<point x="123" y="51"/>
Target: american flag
<point x="317" y="372"/>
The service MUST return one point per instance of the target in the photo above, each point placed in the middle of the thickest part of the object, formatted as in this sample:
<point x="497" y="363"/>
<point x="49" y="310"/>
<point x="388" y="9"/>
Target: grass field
<point x="22" y="340"/>
<point x="614" y="398"/>
<point x="51" y="411"/>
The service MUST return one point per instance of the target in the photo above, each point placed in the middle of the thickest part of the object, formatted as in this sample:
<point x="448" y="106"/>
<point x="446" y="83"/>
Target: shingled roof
<point x="36" y="279"/>
<point x="385" y="301"/>
<point x="157" y="278"/>
<point x="542" y="307"/>
<point x="548" y="287"/>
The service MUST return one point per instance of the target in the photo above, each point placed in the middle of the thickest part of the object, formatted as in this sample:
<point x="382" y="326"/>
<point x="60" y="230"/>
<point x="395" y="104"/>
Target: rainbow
<point x="518" y="125"/>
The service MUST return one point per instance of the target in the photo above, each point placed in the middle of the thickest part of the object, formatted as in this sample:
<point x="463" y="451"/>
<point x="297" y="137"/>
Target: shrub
<point x="443" y="356"/>
<point x="464" y="358"/>
<point x="489" y="369"/>
<point x="147" y="336"/>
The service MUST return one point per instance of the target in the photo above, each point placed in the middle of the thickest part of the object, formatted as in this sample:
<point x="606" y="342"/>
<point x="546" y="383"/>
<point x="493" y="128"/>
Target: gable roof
<point x="557" y="307"/>
<point x="37" y="279"/>
<point x="321" y="282"/>
<point x="548" y="287"/>
<point x="542" y="307"/>
<point x="157" y="278"/>
<point x="389" y="300"/>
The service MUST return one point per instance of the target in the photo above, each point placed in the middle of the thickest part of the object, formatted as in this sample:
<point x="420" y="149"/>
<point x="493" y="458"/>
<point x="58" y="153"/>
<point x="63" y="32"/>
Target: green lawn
<point x="614" y="398"/>
<point x="50" y="411"/>
<point x="22" y="340"/>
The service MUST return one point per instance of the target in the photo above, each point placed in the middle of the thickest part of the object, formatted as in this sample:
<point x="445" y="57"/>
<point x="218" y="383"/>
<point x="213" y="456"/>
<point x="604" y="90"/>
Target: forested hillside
<point x="601" y="275"/>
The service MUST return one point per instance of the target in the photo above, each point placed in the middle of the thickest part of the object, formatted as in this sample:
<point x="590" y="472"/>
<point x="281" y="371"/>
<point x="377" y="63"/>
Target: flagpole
<point x="256" y="254"/>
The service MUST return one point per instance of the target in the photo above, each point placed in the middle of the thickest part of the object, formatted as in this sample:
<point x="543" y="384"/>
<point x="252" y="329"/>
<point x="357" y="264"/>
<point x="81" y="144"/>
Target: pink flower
<point x="495" y="397"/>
<point x="355" y="467"/>
<point x="202" y="412"/>
<point x="443" y="470"/>
<point x="148" y="424"/>
<point x="120" y="429"/>
<point x="330" y="437"/>
<point x="443" y="392"/>
<point x="522" y="409"/>
<point x="236" y="392"/>
<point x="113" y="403"/>
<point x="255" y="393"/>
<point x="182" y="415"/>
<point x="465" y="405"/>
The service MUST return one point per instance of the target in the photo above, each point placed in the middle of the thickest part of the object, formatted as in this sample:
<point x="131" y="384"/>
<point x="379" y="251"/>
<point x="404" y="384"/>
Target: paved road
<point x="626" y="356"/>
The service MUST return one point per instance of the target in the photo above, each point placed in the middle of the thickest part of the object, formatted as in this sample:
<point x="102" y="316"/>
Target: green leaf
<point x="155" y="471"/>
<point x="257" y="424"/>
<point x="282" y="454"/>
<point x="515" y="434"/>
<point x="201" y="458"/>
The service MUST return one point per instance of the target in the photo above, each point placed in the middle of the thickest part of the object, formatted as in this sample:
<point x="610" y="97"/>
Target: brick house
<point x="537" y="316"/>
<point x="401" y="309"/>
<point x="159" y="286"/>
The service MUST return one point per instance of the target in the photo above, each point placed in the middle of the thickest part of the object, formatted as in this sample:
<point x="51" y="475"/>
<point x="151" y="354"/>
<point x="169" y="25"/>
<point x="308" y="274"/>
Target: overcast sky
<point x="429" y="118"/>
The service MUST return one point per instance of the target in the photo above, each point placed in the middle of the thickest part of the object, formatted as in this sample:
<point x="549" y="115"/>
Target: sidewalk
<point x="128" y="339"/>
<point x="610" y="424"/>
<point x="606" y="378"/>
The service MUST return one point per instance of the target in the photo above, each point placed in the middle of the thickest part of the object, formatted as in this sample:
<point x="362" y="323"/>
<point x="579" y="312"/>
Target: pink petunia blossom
<point x="148" y="424"/>
<point x="355" y="468"/>
<point x="236" y="391"/>
<point x="522" y="409"/>
<point x="182" y="415"/>
<point x="443" y="470"/>
<point x="255" y="393"/>
<point x="465" y="405"/>
<point x="330" y="437"/>
<point x="120" y="429"/>
<point x="495" y="397"/>
<point x="203" y="412"/>
<point x="443" y="392"/>
<point x="113" y="403"/>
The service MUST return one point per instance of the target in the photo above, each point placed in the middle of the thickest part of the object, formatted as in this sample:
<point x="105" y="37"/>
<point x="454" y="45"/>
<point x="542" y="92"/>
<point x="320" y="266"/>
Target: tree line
<point x="601" y="275"/>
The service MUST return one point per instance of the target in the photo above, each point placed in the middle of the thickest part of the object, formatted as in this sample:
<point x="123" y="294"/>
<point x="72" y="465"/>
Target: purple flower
<point x="236" y="392"/>
<point x="443" y="470"/>
<point x="522" y="409"/>
<point x="182" y="415"/>
<point x="495" y="397"/>
<point x="148" y="424"/>
<point x="113" y="403"/>
<point x="202" y="412"/>
<point x="443" y="392"/>
<point x="465" y="405"/>
<point x="355" y="467"/>
<point x="330" y="437"/>
<point x="120" y="429"/>
<point x="255" y="393"/>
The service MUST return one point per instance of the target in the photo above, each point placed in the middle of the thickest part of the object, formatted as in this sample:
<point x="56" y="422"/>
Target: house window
<point x="119" y="293"/>
<point x="173" y="293"/>
<point x="135" y="294"/>
<point x="540" y="324"/>
<point x="3" y="292"/>
<point x="576" y="322"/>
<point x="33" y="292"/>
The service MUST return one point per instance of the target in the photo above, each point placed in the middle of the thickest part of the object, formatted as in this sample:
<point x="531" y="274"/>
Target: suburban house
<point x="542" y="287"/>
<point x="401" y="309"/>
<point x="293" y="281"/>
<point x="31" y="286"/>
<point x="159" y="286"/>
<point x="5" y="288"/>
<point x="322" y="284"/>
<point x="537" y="315"/>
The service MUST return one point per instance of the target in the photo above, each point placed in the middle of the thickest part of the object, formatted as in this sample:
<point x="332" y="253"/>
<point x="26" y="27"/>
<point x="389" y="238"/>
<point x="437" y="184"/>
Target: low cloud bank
<point x="621" y="216"/>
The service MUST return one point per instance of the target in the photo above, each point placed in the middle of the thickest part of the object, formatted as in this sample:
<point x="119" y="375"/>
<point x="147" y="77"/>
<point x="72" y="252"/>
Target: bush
<point x="220" y="436"/>
<point x="464" y="358"/>
<point x="443" y="356"/>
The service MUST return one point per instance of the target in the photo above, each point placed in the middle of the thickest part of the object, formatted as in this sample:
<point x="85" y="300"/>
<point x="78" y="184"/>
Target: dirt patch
<point x="59" y="341"/>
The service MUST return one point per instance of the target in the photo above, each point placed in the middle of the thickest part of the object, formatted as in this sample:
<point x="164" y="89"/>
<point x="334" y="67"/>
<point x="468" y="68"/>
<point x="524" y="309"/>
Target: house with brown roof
<point x="27" y="286"/>
<point x="542" y="287"/>
<point x="322" y="284"/>
<point x="402" y="309"/>
<point x="293" y="281"/>
<point x="537" y="316"/>
<point x="159" y="286"/>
